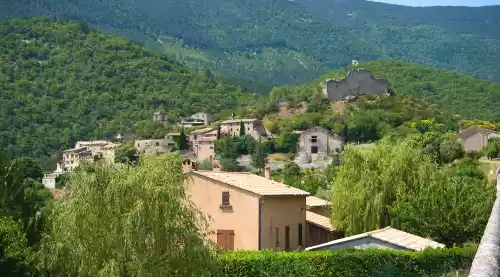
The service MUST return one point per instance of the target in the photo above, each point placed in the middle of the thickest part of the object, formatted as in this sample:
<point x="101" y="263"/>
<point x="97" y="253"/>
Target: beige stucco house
<point x="475" y="139"/>
<point x="356" y="82"/>
<point x="154" y="146"/>
<point x="49" y="180"/>
<point x="253" y="127"/>
<point x="317" y="143"/>
<point x="250" y="212"/>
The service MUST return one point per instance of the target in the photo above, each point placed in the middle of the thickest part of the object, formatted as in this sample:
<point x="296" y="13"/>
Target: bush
<point x="16" y="258"/>
<point x="345" y="263"/>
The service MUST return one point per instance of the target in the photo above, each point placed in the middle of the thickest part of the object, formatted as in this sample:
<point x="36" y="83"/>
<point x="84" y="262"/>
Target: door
<point x="287" y="238"/>
<point x="225" y="240"/>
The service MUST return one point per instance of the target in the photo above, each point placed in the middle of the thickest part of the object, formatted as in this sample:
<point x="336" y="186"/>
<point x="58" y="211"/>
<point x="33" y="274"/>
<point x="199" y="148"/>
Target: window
<point x="287" y="238"/>
<point x="157" y="144"/>
<point x="277" y="236"/>
<point x="195" y="136"/>
<point x="314" y="139"/>
<point x="225" y="198"/>
<point x="314" y="149"/>
<point x="300" y="234"/>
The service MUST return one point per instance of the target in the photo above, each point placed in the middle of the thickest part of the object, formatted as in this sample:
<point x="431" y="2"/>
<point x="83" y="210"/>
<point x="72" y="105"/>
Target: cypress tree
<point x="242" y="128"/>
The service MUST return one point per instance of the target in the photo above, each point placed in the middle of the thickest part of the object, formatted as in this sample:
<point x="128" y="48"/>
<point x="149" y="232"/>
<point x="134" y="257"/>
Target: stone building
<point x="475" y="139"/>
<point x="160" y="117"/>
<point x="253" y="127"/>
<point x="88" y="150"/>
<point x="154" y="146"/>
<point x="197" y="119"/>
<point x="356" y="82"/>
<point x="317" y="143"/>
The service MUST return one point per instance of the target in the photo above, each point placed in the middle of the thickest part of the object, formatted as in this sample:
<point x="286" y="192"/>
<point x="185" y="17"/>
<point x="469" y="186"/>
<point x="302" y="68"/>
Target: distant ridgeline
<point x="357" y="82"/>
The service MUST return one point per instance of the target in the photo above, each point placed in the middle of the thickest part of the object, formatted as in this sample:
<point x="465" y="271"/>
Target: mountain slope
<point x="470" y="97"/>
<point x="282" y="42"/>
<point x="62" y="82"/>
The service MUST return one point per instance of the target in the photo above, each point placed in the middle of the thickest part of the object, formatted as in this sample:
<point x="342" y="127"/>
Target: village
<point x="254" y="212"/>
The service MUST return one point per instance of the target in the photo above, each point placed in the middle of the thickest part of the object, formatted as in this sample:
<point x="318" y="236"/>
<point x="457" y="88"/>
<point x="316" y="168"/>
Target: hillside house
<point x="475" y="139"/>
<point x="88" y="150"/>
<point x="356" y="82"/>
<point x="250" y="212"/>
<point x="202" y="143"/>
<point x="386" y="238"/>
<point x="317" y="143"/>
<point x="253" y="127"/>
<point x="155" y="146"/>
<point x="49" y="180"/>
<point x="160" y="117"/>
<point x="197" y="119"/>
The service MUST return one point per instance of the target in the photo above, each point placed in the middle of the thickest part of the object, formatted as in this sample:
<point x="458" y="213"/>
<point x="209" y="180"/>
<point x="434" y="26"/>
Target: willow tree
<point x="127" y="221"/>
<point x="370" y="180"/>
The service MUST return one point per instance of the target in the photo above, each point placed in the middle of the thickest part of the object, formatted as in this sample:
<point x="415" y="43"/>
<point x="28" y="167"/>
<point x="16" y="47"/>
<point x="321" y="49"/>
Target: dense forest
<point x="260" y="43"/>
<point x="62" y="81"/>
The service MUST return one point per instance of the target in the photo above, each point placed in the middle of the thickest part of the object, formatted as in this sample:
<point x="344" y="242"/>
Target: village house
<point x="253" y="127"/>
<point x="87" y="150"/>
<point x="317" y="143"/>
<point x="356" y="82"/>
<point x="202" y="143"/>
<point x="49" y="180"/>
<point x="474" y="139"/>
<point x="160" y="117"/>
<point x="250" y="212"/>
<point x="197" y="119"/>
<point x="386" y="238"/>
<point x="155" y="146"/>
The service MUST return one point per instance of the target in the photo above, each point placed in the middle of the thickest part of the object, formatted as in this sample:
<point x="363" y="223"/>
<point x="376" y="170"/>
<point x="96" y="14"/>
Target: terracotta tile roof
<point x="389" y="235"/>
<point x="319" y="220"/>
<point x="253" y="183"/>
<point x="239" y="120"/>
<point x="312" y="201"/>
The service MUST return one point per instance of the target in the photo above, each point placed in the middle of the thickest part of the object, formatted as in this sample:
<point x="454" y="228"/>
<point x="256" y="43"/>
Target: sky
<point x="471" y="3"/>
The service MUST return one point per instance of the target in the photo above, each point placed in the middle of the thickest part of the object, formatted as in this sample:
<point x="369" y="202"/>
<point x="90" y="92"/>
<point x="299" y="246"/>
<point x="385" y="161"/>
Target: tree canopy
<point x="135" y="221"/>
<point x="397" y="184"/>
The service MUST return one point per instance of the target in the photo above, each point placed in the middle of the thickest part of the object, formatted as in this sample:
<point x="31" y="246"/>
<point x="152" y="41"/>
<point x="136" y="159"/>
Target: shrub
<point x="345" y="263"/>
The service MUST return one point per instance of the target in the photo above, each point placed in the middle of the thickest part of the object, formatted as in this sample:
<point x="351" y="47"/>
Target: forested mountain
<point x="284" y="42"/>
<point x="467" y="96"/>
<point x="61" y="82"/>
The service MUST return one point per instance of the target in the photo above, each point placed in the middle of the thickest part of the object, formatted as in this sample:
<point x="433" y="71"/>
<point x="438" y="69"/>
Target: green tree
<point x="126" y="153"/>
<point x="242" y="128"/>
<point x="492" y="150"/>
<point x="182" y="140"/>
<point x="136" y="221"/>
<point x="387" y="184"/>
<point x="450" y="209"/>
<point x="16" y="258"/>
<point x="291" y="174"/>
<point x="259" y="157"/>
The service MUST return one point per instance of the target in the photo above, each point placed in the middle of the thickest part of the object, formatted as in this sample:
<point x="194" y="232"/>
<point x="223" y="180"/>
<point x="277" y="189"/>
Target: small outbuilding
<point x="387" y="238"/>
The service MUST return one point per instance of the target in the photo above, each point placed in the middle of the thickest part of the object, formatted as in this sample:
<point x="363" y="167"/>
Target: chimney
<point x="267" y="171"/>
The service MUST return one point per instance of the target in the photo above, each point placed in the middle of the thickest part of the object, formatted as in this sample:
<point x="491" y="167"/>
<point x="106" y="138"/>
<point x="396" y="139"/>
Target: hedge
<point x="345" y="263"/>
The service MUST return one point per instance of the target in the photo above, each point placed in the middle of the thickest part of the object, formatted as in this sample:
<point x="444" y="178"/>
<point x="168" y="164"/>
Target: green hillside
<point x="62" y="82"/>
<point x="467" y="96"/>
<point x="275" y="42"/>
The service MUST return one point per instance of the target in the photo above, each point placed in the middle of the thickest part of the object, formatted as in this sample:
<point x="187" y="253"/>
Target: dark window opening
<point x="287" y="238"/>
<point x="314" y="139"/>
<point x="157" y="144"/>
<point x="300" y="234"/>
<point x="314" y="149"/>
<point x="225" y="198"/>
<point x="277" y="236"/>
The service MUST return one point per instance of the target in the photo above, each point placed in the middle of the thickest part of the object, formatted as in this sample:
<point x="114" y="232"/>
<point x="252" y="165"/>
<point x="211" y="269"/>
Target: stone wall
<point x="356" y="82"/>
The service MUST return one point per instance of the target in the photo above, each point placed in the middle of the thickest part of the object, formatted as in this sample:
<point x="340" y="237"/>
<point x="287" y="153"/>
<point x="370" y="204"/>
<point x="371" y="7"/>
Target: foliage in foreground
<point x="132" y="221"/>
<point x="346" y="263"/>
<point x="396" y="184"/>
